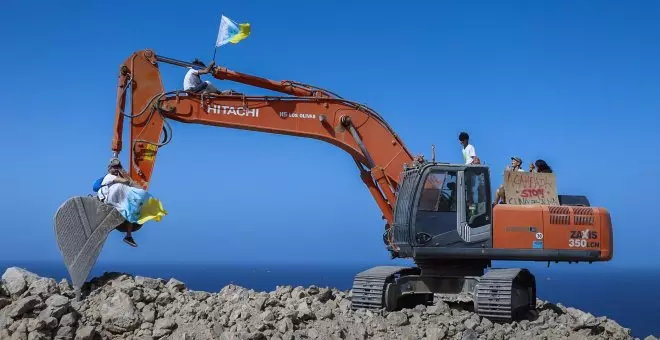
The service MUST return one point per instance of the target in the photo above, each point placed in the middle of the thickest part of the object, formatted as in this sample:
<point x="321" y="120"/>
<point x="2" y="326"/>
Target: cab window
<point x="439" y="192"/>
<point x="477" y="197"/>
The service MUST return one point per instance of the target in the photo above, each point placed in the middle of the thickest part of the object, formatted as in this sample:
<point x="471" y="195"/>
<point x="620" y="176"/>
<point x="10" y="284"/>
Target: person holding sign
<point x="516" y="165"/>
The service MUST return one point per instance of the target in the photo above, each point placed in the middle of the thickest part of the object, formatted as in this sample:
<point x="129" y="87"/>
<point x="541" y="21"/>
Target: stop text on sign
<point x="532" y="193"/>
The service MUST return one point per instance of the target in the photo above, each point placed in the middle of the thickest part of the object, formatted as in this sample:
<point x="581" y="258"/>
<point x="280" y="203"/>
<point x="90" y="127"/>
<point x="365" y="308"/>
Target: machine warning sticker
<point x="530" y="229"/>
<point x="537" y="244"/>
<point x="539" y="236"/>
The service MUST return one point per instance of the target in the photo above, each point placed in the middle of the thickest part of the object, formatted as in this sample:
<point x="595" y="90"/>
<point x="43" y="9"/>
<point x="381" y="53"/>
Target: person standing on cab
<point x="469" y="153"/>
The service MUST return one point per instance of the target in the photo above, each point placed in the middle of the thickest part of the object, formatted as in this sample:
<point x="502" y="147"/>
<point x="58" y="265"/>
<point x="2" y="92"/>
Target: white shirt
<point x="112" y="194"/>
<point x="191" y="79"/>
<point x="469" y="154"/>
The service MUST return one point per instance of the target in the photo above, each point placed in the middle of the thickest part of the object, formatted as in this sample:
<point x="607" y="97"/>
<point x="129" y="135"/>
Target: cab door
<point x="435" y="215"/>
<point x="453" y="208"/>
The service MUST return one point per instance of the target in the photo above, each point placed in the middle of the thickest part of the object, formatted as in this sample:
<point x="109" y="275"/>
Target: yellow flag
<point x="152" y="209"/>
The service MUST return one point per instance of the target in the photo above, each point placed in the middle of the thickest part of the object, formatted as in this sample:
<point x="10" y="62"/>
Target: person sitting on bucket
<point x="134" y="204"/>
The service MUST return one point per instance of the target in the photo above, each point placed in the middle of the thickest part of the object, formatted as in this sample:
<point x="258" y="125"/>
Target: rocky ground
<point x="121" y="306"/>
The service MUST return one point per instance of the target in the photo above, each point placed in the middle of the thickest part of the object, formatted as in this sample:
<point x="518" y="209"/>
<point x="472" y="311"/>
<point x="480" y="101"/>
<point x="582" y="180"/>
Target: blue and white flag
<point x="230" y="32"/>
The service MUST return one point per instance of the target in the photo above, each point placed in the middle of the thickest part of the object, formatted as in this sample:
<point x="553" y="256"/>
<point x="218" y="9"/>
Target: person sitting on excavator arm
<point x="193" y="83"/>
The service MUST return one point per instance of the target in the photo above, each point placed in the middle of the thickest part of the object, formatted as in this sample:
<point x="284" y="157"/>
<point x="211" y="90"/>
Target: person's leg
<point x="129" y="238"/>
<point x="199" y="88"/>
<point x="210" y="88"/>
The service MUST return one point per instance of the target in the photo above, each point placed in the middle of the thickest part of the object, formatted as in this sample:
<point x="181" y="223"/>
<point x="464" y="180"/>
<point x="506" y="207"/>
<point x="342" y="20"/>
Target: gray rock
<point x="57" y="300"/>
<point x="65" y="333"/>
<point x="175" y="285"/>
<point x="435" y="333"/>
<point x="148" y="282"/>
<point x="470" y="334"/>
<point x="397" y="318"/>
<point x="64" y="286"/>
<point x="486" y="324"/>
<point x="470" y="324"/>
<point x="86" y="333"/>
<point x="24" y="305"/>
<point x="16" y="280"/>
<point x="324" y="313"/>
<point x="55" y="312"/>
<point x="304" y="312"/>
<point x="192" y="331"/>
<point x="165" y="323"/>
<point x="69" y="319"/>
<point x="41" y="335"/>
<point x="160" y="332"/>
<point x="118" y="314"/>
<point x="437" y="309"/>
<point x="149" y="313"/>
<point x="44" y="287"/>
<point x="51" y="323"/>
<point x="4" y="302"/>
<point x="34" y="325"/>
<point x="267" y="316"/>
<point x="325" y="295"/>
<point x="19" y="329"/>
<point x="285" y="325"/>
<point x="163" y="299"/>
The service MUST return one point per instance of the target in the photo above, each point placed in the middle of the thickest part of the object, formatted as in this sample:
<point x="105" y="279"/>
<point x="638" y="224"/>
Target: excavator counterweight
<point x="437" y="214"/>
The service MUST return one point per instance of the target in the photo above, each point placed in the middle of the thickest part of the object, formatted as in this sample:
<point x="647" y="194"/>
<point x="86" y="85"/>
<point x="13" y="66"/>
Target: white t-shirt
<point x="112" y="194"/>
<point x="469" y="154"/>
<point x="191" y="79"/>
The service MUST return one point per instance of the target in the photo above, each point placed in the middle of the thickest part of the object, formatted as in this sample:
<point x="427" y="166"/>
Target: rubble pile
<point x="121" y="306"/>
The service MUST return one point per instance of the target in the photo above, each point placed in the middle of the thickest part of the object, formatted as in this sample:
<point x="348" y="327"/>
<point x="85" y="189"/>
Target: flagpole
<point x="215" y="50"/>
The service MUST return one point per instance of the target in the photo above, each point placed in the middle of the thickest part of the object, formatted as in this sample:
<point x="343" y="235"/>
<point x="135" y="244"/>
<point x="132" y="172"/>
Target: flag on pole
<point x="230" y="32"/>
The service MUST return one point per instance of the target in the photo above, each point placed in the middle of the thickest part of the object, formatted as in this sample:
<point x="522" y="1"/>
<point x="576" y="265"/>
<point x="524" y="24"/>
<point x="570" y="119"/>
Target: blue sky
<point x="574" y="83"/>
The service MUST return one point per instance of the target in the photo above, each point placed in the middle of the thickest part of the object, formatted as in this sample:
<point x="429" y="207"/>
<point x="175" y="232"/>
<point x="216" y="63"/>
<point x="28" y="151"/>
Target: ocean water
<point x="629" y="296"/>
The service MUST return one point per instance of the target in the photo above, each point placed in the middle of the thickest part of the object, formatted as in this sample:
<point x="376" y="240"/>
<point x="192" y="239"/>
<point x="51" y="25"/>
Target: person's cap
<point x="114" y="162"/>
<point x="517" y="159"/>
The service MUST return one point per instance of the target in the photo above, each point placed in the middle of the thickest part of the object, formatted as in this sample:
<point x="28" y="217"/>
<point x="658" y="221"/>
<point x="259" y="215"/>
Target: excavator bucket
<point x="82" y="225"/>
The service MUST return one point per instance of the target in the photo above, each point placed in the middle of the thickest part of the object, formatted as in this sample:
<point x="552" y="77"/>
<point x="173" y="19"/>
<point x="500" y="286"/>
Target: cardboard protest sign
<point x="522" y="188"/>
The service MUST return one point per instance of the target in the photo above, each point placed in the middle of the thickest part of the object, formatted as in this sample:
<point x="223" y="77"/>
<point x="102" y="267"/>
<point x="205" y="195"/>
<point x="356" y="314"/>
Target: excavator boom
<point x="311" y="113"/>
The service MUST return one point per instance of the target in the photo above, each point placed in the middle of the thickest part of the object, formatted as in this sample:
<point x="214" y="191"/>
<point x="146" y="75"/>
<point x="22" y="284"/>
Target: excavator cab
<point x="443" y="208"/>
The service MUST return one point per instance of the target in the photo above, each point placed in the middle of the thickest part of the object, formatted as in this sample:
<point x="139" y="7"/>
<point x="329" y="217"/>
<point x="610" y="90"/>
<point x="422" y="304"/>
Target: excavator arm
<point x="82" y="223"/>
<point x="308" y="112"/>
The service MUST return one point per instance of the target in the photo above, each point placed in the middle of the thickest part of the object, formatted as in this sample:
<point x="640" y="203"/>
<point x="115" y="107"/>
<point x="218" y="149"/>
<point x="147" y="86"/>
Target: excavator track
<point x="370" y="285"/>
<point x="505" y="294"/>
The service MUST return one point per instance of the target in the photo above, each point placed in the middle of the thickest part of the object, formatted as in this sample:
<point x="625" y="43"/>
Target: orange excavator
<point x="438" y="214"/>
